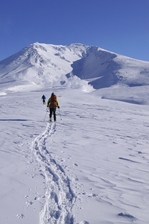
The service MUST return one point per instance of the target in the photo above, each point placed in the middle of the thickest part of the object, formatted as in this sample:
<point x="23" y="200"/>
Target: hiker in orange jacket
<point x="53" y="104"/>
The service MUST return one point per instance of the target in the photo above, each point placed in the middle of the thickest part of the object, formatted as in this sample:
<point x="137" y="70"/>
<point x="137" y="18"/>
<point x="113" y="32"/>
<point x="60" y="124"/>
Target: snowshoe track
<point x="59" y="198"/>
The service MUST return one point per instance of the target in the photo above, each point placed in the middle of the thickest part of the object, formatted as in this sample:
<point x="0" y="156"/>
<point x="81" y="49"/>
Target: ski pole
<point x="45" y="115"/>
<point x="60" y="114"/>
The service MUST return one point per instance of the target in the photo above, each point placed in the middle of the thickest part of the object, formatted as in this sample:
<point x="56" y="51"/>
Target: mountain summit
<point x="49" y="65"/>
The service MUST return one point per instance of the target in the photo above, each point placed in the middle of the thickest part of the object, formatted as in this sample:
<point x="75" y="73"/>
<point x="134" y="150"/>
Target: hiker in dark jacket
<point x="43" y="99"/>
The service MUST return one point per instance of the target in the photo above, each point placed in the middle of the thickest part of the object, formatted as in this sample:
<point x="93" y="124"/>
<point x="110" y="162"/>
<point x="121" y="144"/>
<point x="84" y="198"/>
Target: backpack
<point x="53" y="101"/>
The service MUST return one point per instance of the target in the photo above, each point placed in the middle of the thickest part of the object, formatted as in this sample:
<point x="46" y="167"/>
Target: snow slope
<point x="89" y="167"/>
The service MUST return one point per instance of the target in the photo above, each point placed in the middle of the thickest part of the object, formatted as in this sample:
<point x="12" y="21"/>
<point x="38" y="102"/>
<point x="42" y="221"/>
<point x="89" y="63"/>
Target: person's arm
<point x="58" y="104"/>
<point x="48" y="102"/>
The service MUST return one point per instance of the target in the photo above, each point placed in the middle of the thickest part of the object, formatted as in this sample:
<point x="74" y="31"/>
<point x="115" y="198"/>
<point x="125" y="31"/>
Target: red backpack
<point x="53" y="101"/>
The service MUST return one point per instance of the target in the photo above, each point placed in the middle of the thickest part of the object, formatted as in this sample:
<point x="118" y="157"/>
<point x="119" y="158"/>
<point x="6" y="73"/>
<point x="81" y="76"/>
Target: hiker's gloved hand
<point x="58" y="107"/>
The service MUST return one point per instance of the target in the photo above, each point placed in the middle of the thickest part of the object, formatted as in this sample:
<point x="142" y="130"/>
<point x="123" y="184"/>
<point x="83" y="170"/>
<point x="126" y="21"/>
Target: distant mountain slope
<point x="103" y="69"/>
<point x="47" y="65"/>
<point x="40" y="63"/>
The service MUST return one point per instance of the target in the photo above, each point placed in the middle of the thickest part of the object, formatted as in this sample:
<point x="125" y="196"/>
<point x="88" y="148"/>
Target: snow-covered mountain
<point x="105" y="68"/>
<point x="74" y="66"/>
<point x="40" y="63"/>
<point x="46" y="63"/>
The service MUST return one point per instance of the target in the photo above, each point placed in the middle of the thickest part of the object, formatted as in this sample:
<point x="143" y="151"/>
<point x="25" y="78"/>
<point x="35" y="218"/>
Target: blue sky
<point x="121" y="26"/>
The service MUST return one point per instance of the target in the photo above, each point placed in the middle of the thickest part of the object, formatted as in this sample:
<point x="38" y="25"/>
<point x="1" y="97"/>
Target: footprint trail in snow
<point x="59" y="198"/>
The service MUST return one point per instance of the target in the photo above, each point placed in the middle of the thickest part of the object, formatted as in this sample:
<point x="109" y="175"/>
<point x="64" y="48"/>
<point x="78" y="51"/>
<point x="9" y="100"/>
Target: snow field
<point x="89" y="167"/>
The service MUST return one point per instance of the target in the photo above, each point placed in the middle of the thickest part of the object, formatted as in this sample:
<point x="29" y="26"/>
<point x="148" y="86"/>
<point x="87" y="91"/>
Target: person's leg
<point x="50" y="115"/>
<point x="54" y="113"/>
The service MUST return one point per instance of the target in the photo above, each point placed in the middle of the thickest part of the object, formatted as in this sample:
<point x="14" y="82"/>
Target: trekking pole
<point x="60" y="114"/>
<point x="45" y="115"/>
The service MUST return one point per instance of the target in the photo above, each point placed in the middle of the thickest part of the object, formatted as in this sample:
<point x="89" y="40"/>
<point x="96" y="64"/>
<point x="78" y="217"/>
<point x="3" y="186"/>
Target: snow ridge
<point x="59" y="197"/>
